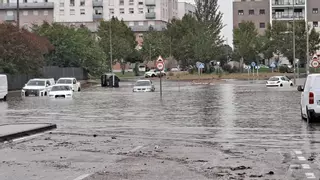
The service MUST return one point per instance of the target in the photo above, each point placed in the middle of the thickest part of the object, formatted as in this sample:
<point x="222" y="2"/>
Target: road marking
<point x="136" y="148"/>
<point x="294" y="166"/>
<point x="305" y="166"/>
<point x="298" y="152"/>
<point x="301" y="158"/>
<point x="310" y="176"/>
<point x="82" y="177"/>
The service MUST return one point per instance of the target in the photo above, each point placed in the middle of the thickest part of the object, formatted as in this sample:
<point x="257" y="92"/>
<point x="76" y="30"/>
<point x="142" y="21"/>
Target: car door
<point x="48" y="85"/>
<point x="285" y="81"/>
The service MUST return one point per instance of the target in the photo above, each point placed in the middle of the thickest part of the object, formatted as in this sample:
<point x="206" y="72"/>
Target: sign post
<point x="315" y="63"/>
<point x="258" y="67"/>
<point x="200" y="66"/>
<point x="160" y="67"/>
<point x="273" y="65"/>
<point x="253" y="64"/>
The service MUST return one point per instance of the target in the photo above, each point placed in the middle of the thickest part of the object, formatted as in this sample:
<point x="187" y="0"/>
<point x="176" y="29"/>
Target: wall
<point x="16" y="82"/>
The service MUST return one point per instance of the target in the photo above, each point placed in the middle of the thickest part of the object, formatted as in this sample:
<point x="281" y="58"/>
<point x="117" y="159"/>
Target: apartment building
<point x="185" y="8"/>
<point x="31" y="11"/>
<point x="262" y="12"/>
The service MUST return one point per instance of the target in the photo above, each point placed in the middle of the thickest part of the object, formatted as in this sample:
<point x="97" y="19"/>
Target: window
<point x="121" y="2"/>
<point x="131" y="23"/>
<point x="25" y="1"/>
<point x="315" y="10"/>
<point x="9" y="13"/>
<point x="251" y="12"/>
<point x="61" y="4"/>
<point x="35" y="13"/>
<point x="240" y="12"/>
<point x="25" y="13"/>
<point x="151" y="10"/>
<point x="262" y="11"/>
<point x="111" y="11"/>
<point x="140" y="10"/>
<point x="82" y="3"/>
<point x="45" y="13"/>
<point x="72" y="12"/>
<point x="131" y="10"/>
<point x="98" y="11"/>
<point x="61" y="12"/>
<point x="262" y="25"/>
<point x="131" y="2"/>
<point x="82" y="11"/>
<point x="71" y="3"/>
<point x="140" y="3"/>
<point x="121" y="11"/>
<point x="141" y="23"/>
<point x="315" y="24"/>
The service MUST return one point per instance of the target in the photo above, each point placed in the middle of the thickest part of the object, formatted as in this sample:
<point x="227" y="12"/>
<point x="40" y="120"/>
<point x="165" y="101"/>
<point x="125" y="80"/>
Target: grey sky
<point x="226" y="9"/>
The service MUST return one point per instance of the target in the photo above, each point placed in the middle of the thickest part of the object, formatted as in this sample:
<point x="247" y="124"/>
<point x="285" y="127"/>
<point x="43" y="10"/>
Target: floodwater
<point x="233" y="130"/>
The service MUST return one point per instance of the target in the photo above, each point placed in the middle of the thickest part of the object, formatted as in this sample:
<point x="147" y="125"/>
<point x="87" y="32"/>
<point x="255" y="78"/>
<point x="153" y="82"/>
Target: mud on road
<point x="232" y="130"/>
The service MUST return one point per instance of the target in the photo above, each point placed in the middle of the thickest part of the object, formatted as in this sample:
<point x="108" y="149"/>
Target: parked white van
<point x="310" y="98"/>
<point x="3" y="87"/>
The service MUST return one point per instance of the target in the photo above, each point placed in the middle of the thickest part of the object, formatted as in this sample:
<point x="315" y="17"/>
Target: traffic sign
<point x="315" y="63"/>
<point x="159" y="59"/>
<point x="273" y="65"/>
<point x="160" y="65"/>
<point x="198" y="64"/>
<point x="253" y="64"/>
<point x="257" y="67"/>
<point x="201" y="66"/>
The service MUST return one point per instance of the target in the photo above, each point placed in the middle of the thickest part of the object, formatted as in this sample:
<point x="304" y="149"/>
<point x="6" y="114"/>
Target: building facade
<point x="185" y="8"/>
<point x="262" y="12"/>
<point x="31" y="11"/>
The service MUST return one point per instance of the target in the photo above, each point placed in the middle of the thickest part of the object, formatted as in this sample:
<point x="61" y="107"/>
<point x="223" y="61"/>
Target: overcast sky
<point x="226" y="9"/>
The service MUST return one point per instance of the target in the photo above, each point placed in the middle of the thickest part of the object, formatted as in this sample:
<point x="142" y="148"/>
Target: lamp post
<point x="294" y="45"/>
<point x="111" y="57"/>
<point x="18" y="14"/>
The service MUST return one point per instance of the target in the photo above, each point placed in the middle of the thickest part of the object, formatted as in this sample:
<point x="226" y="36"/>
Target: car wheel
<point x="281" y="85"/>
<point x="79" y="89"/>
<point x="26" y="94"/>
<point x="291" y="84"/>
<point x="153" y="75"/>
<point x="309" y="118"/>
<point x="45" y="93"/>
<point x="302" y="117"/>
<point x="5" y="98"/>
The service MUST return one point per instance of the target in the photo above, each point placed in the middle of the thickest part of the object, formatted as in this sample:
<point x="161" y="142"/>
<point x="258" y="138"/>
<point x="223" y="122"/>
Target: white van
<point x="310" y="98"/>
<point x="3" y="87"/>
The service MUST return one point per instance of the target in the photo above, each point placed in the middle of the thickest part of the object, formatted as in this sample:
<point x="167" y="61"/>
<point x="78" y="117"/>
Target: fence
<point x="18" y="81"/>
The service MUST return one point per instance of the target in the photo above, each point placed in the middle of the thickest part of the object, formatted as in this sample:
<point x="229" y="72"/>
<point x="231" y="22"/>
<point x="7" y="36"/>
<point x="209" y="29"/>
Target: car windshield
<point x="143" y="83"/>
<point x="60" y="88"/>
<point x="274" y="79"/>
<point x="36" y="83"/>
<point x="64" y="81"/>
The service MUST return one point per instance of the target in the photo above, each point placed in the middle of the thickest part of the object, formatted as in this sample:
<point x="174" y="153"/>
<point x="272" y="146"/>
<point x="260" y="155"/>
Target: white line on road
<point x="298" y="152"/>
<point x="310" y="176"/>
<point x="301" y="158"/>
<point x="27" y="137"/>
<point x="82" y="177"/>
<point x="136" y="148"/>
<point x="305" y="166"/>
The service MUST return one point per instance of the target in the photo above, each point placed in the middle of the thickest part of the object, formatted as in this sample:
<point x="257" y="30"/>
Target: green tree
<point x="122" y="39"/>
<point x="245" y="39"/>
<point x="74" y="47"/>
<point x="21" y="51"/>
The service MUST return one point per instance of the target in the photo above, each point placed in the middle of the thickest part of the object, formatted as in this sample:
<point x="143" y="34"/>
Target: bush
<point x="282" y="69"/>
<point x="228" y="68"/>
<point x="170" y="74"/>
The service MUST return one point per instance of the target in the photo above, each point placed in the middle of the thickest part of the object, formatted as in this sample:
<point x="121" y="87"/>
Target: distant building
<point x="185" y="8"/>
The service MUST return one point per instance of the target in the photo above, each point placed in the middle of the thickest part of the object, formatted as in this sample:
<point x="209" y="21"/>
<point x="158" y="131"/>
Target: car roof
<point x="61" y="85"/>
<point x="67" y="78"/>
<point x="144" y="80"/>
<point x="39" y="79"/>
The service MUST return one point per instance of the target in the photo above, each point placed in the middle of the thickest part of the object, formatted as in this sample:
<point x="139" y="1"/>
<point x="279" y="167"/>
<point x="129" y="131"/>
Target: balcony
<point x="10" y="18"/>
<point x="40" y="5"/>
<point x="97" y="16"/>
<point x="146" y="28"/>
<point x="288" y="17"/>
<point x="288" y="4"/>
<point x="150" y="2"/>
<point x="96" y="3"/>
<point x="151" y="15"/>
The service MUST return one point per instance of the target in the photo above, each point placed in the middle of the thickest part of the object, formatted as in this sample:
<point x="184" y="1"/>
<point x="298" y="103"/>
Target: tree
<point x="245" y="39"/>
<point x="21" y="51"/>
<point x="73" y="48"/>
<point x="122" y="39"/>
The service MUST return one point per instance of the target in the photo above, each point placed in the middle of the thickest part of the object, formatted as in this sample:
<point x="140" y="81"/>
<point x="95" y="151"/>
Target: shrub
<point x="282" y="69"/>
<point x="170" y="74"/>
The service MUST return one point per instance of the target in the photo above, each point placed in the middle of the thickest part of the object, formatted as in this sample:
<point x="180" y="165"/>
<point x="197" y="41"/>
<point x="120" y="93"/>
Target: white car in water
<point x="61" y="91"/>
<point x="143" y="86"/>
<point x="279" y="81"/>
<point x="37" y="87"/>
<point x="76" y="86"/>
<point x="154" y="73"/>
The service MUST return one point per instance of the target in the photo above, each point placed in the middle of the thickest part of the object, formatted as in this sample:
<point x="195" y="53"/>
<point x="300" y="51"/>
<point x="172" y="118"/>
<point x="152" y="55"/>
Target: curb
<point x="26" y="133"/>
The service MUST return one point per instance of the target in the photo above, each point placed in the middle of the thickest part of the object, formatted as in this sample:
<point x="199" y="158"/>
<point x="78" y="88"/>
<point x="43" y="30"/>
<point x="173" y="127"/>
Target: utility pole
<point x="308" y="54"/>
<point x="111" y="60"/>
<point x="18" y="14"/>
<point x="150" y="53"/>
<point x="294" y="45"/>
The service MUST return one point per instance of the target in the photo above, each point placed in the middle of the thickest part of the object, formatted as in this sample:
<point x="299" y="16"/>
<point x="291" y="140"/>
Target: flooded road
<point x="233" y="130"/>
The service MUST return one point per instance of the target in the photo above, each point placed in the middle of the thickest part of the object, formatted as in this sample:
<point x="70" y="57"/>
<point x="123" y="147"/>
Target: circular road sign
<point x="160" y="66"/>
<point x="315" y="63"/>
<point x="253" y="64"/>
<point x="257" y="67"/>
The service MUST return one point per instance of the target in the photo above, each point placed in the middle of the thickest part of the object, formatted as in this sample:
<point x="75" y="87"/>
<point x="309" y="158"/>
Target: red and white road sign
<point x="160" y="65"/>
<point x="315" y="63"/>
<point x="159" y="59"/>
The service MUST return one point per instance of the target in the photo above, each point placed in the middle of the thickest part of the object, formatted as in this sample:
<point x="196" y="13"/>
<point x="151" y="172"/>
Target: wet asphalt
<point x="232" y="130"/>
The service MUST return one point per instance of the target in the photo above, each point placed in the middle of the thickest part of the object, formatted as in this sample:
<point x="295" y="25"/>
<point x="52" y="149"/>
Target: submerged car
<point x="76" y="86"/>
<point x="61" y="91"/>
<point x="143" y="86"/>
<point x="37" y="87"/>
<point x="279" y="81"/>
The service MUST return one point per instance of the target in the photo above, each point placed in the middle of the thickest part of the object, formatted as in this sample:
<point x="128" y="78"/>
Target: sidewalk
<point x="13" y="131"/>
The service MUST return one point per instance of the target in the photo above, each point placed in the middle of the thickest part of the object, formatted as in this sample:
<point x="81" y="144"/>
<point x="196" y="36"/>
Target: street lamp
<point x="111" y="60"/>
<point x="294" y="45"/>
<point x="18" y="14"/>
